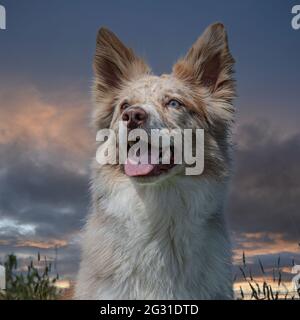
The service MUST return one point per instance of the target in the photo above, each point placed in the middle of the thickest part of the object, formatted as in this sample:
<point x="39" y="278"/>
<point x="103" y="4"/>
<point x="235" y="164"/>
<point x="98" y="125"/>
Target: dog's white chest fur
<point x="156" y="242"/>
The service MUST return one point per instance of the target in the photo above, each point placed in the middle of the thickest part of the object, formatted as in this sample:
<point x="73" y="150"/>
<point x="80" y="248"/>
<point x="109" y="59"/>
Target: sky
<point x="46" y="144"/>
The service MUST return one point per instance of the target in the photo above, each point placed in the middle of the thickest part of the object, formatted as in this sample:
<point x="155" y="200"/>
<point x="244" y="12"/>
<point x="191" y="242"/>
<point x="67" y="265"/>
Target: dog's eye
<point x="124" y="106"/>
<point x="173" y="104"/>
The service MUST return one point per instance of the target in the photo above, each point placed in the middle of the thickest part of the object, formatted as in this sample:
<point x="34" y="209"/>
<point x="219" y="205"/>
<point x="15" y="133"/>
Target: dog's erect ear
<point x="209" y="63"/>
<point x="114" y="63"/>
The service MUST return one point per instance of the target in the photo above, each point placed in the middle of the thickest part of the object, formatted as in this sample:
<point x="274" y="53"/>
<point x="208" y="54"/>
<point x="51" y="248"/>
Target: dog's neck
<point x="180" y="200"/>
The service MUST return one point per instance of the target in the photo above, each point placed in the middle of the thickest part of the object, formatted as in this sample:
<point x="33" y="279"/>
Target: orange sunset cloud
<point x="43" y="126"/>
<point x="52" y="243"/>
<point x="253" y="245"/>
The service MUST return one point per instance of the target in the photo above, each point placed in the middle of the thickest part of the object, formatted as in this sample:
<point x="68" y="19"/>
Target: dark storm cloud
<point x="40" y="182"/>
<point x="53" y="198"/>
<point x="265" y="192"/>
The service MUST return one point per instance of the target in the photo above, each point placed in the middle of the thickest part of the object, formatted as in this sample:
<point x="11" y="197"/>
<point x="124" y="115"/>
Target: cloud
<point x="263" y="244"/>
<point x="54" y="199"/>
<point x="49" y="244"/>
<point x="44" y="128"/>
<point x="265" y="192"/>
<point x="9" y="226"/>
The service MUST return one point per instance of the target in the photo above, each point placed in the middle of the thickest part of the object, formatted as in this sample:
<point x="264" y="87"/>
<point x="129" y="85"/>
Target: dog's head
<point x="197" y="94"/>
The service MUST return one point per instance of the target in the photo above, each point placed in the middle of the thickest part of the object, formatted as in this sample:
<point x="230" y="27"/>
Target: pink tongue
<point x="138" y="169"/>
<point x="132" y="168"/>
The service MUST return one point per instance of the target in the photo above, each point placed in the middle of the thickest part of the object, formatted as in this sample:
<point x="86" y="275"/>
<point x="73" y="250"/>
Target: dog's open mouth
<point x="149" y="163"/>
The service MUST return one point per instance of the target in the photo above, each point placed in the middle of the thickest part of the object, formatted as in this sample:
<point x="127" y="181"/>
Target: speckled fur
<point x="161" y="237"/>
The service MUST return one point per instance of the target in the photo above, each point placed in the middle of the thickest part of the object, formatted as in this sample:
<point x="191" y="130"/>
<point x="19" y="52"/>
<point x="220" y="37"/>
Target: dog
<point x="154" y="232"/>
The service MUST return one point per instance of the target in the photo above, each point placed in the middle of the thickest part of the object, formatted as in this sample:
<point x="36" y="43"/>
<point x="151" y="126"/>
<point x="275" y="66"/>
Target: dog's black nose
<point x="135" y="117"/>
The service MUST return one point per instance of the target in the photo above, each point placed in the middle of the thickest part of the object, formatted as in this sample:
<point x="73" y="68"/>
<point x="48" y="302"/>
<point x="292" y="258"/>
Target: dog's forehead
<point x="153" y="87"/>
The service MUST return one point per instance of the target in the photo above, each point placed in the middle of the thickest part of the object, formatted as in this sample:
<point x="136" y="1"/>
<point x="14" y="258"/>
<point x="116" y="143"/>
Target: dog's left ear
<point x="209" y="64"/>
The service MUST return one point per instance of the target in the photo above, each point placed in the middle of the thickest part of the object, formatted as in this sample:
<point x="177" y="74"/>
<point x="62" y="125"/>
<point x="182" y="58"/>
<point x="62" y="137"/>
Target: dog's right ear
<point x="114" y="63"/>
